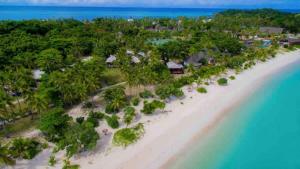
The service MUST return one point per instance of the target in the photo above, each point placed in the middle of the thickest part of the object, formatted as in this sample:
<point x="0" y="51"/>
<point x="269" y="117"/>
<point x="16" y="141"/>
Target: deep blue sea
<point x="263" y="133"/>
<point x="89" y="13"/>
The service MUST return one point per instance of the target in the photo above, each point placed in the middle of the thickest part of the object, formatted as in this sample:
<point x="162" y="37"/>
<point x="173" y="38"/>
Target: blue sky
<point x="286" y="4"/>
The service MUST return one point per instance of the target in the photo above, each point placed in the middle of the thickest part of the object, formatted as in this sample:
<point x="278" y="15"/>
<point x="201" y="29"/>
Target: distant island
<point x="72" y="88"/>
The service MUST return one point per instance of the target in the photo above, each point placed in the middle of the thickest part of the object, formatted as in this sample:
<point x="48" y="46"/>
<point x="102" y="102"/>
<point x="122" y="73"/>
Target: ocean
<point x="89" y="13"/>
<point x="262" y="133"/>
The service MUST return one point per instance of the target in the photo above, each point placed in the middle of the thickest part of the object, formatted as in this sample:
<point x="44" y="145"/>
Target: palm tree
<point x="5" y="105"/>
<point x="5" y="158"/>
<point x="37" y="103"/>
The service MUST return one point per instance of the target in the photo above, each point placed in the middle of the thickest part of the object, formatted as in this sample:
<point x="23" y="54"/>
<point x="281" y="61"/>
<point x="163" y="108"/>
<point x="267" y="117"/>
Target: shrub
<point x="149" y="108"/>
<point x="78" y="138"/>
<point x="94" y="118"/>
<point x="146" y="94"/>
<point x="127" y="136"/>
<point x="186" y="80"/>
<point x="68" y="165"/>
<point x="135" y="101"/>
<point x="222" y="81"/>
<point x="54" y="123"/>
<point x="24" y="148"/>
<point x="232" y="77"/>
<point x="115" y="99"/>
<point x="52" y="161"/>
<point x="93" y="121"/>
<point x="129" y="115"/>
<point x="112" y="121"/>
<point x="114" y="93"/>
<point x="111" y="109"/>
<point x="202" y="90"/>
<point x="206" y="83"/>
<point x="80" y="120"/>
<point x="168" y="90"/>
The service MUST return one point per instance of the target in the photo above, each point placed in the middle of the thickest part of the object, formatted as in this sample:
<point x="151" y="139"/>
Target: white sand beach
<point x="168" y="133"/>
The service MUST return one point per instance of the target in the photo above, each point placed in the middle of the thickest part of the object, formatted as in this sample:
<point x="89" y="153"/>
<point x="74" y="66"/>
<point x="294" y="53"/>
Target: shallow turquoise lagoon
<point x="263" y="133"/>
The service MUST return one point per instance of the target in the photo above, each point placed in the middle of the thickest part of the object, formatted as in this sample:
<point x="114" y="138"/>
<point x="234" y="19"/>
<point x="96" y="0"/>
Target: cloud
<point x="163" y="3"/>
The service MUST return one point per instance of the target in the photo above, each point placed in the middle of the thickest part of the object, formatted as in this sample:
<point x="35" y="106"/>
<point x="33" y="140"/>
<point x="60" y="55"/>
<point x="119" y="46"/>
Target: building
<point x="110" y="60"/>
<point x="198" y="59"/>
<point x="135" y="59"/>
<point x="294" y="41"/>
<point x="271" y="30"/>
<point x="175" y="68"/>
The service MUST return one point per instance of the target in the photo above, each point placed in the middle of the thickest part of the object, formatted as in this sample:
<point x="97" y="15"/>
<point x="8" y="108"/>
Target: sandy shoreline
<point x="168" y="134"/>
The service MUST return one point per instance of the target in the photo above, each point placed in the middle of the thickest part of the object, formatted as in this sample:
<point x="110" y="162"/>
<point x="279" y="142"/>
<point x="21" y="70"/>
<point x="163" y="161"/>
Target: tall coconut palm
<point x="37" y="104"/>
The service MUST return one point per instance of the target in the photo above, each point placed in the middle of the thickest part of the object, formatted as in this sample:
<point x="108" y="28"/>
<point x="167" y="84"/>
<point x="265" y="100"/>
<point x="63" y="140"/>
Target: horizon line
<point x="149" y="7"/>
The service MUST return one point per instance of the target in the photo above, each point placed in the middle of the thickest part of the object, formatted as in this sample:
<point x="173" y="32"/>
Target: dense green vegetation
<point x="201" y="90"/>
<point x="150" y="107"/>
<point x="127" y="136"/>
<point x="48" y="66"/>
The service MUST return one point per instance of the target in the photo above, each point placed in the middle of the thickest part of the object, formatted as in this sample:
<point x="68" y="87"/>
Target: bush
<point x="202" y="90"/>
<point x="94" y="118"/>
<point x="115" y="99"/>
<point x="111" y="109"/>
<point x="232" y="77"/>
<point x="129" y="115"/>
<point x="168" y="90"/>
<point x="114" y="93"/>
<point x="24" y="148"/>
<point x="54" y="123"/>
<point x="80" y="120"/>
<point x="93" y="121"/>
<point x="146" y="94"/>
<point x="149" y="108"/>
<point x="78" y="138"/>
<point x="222" y="81"/>
<point x="135" y="101"/>
<point x="68" y="165"/>
<point x="186" y="80"/>
<point x="112" y="121"/>
<point x="127" y="136"/>
<point x="52" y="161"/>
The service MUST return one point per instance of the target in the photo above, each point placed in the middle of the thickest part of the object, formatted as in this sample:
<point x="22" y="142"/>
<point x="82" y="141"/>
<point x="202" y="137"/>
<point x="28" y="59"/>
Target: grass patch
<point x="127" y="136"/>
<point x="201" y="90"/>
<point x="113" y="76"/>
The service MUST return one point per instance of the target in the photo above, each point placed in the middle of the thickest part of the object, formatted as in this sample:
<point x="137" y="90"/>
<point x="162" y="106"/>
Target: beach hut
<point x="110" y="60"/>
<point x="271" y="30"/>
<point x="294" y="41"/>
<point x="129" y="52"/>
<point x="142" y="54"/>
<point x="135" y="59"/>
<point x="175" y="68"/>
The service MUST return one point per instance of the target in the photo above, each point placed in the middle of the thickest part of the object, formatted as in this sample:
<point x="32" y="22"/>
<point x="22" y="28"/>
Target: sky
<point x="284" y="4"/>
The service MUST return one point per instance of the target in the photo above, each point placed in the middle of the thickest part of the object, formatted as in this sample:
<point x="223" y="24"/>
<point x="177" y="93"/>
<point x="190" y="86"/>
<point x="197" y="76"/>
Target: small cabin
<point x="110" y="60"/>
<point x="175" y="68"/>
<point x="294" y="41"/>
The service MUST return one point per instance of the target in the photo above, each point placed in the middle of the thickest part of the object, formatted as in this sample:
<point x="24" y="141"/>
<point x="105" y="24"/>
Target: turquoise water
<point x="263" y="133"/>
<point x="89" y="13"/>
